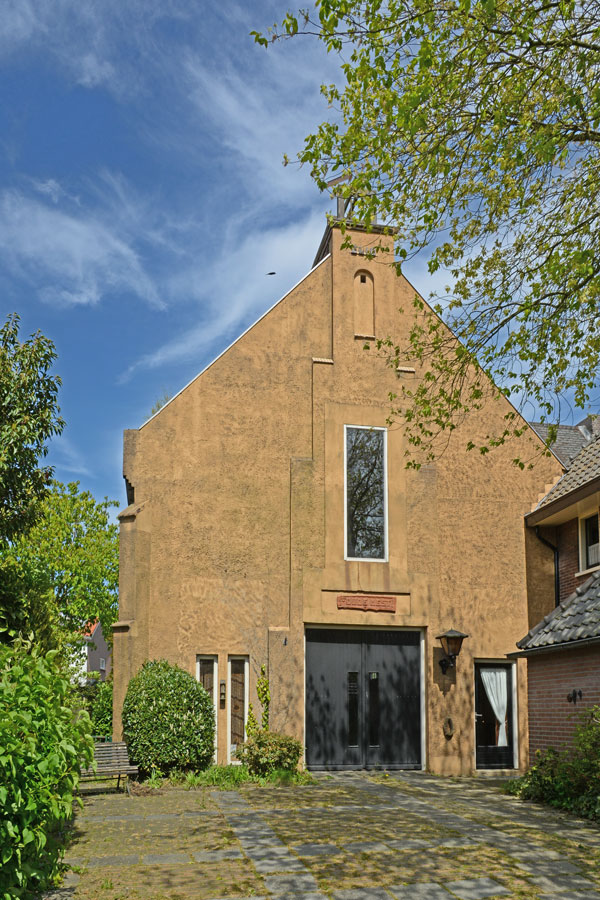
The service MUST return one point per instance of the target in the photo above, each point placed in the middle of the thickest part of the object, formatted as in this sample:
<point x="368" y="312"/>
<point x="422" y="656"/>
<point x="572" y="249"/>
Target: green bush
<point x="168" y="720"/>
<point x="102" y="709"/>
<point x="267" y="751"/>
<point x="569" y="779"/>
<point x="43" y="743"/>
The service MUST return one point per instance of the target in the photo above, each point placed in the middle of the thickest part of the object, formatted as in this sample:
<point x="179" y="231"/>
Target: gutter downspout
<point x="556" y="572"/>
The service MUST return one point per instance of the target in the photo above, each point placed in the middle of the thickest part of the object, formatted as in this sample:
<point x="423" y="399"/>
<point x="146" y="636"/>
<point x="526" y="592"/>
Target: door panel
<point x="334" y="702"/>
<point x="362" y="699"/>
<point x="238" y="701"/>
<point x="489" y="754"/>
<point x="392" y="666"/>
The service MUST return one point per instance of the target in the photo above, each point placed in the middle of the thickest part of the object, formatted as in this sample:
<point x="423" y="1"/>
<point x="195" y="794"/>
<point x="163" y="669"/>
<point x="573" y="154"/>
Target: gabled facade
<point x="272" y="520"/>
<point x="563" y="649"/>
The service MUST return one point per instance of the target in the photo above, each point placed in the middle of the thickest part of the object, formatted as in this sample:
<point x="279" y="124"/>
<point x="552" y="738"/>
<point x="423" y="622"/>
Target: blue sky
<point x="143" y="197"/>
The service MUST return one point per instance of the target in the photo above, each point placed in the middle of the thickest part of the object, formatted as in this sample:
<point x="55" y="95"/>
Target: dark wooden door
<point x="362" y="699"/>
<point x="238" y="701"/>
<point x="494" y="748"/>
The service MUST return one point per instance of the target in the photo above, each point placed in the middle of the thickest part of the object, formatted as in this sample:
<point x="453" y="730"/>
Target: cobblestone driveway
<point x="348" y="837"/>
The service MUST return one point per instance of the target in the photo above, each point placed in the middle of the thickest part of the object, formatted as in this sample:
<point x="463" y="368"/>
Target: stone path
<point x="347" y="837"/>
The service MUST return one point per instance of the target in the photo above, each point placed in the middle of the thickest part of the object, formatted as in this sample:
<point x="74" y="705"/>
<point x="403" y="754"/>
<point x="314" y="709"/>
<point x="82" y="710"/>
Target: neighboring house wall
<point x="234" y="545"/>
<point x="552" y="677"/>
<point x="98" y="654"/>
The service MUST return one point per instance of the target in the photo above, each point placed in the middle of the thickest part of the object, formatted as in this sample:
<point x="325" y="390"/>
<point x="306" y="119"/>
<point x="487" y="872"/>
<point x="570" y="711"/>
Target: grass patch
<point x="229" y="778"/>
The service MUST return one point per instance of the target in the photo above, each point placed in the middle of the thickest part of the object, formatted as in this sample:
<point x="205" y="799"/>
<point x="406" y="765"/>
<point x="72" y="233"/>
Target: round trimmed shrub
<point x="168" y="720"/>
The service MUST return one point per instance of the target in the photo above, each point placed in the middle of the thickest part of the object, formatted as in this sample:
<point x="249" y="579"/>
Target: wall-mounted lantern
<point x="451" y="642"/>
<point x="222" y="693"/>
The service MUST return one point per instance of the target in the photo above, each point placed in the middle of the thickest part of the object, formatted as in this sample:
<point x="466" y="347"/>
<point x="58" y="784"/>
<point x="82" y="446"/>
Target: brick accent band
<point x="367" y="602"/>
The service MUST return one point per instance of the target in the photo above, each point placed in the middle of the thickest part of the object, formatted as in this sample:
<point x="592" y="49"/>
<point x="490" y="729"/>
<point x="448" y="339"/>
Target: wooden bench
<point x="112" y="761"/>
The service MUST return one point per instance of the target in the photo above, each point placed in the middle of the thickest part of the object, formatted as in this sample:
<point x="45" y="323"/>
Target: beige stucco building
<point x="244" y="543"/>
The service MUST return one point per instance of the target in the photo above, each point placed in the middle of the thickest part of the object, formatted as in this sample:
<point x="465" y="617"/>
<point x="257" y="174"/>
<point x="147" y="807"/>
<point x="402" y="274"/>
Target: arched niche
<point x="364" y="304"/>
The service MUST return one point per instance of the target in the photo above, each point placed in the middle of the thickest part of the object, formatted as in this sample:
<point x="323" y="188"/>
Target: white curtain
<point x="495" y="684"/>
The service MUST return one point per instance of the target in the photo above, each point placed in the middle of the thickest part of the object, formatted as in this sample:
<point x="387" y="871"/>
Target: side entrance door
<point x="494" y="744"/>
<point x="363" y="699"/>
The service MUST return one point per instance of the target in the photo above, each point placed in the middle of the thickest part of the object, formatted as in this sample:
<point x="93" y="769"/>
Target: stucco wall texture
<point x="235" y="541"/>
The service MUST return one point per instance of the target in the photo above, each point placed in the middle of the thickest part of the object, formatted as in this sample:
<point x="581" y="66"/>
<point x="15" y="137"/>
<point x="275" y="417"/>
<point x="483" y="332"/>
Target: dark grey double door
<point x="363" y="699"/>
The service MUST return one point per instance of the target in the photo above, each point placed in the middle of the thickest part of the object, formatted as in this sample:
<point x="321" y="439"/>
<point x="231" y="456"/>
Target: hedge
<point x="43" y="743"/>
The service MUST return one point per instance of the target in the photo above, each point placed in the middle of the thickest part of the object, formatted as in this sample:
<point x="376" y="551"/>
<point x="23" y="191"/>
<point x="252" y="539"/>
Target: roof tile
<point x="576" y="618"/>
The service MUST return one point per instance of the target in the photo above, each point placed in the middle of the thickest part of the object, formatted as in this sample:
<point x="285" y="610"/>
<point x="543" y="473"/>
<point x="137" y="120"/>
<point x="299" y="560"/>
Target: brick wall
<point x="568" y="557"/>
<point x="551" y="677"/>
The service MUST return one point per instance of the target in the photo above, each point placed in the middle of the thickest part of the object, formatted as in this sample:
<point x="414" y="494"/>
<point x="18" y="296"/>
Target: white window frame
<point x="102" y="664"/>
<point x="583" y="566"/>
<point x="246" y="659"/>
<point x="364" y="559"/>
<point x="215" y="661"/>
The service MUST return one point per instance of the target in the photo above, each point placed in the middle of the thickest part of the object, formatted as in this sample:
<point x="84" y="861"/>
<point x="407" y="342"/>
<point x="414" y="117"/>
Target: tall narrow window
<point x="373" y="709"/>
<point x="352" y="709"/>
<point x="366" y="493"/>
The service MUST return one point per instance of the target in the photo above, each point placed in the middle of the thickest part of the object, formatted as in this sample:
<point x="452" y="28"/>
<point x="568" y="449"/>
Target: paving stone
<point x="408" y="844"/>
<point x="286" y="884"/>
<point x="559" y="883"/>
<point x="316" y="849"/>
<point x="476" y="888"/>
<point x="128" y="860"/>
<point x="60" y="894"/>
<point x="302" y="895"/>
<point x="425" y="890"/>
<point x="71" y="880"/>
<point x="535" y="854"/>
<point x="265" y="852"/>
<point x="165" y="859"/>
<point x="550" y="867"/>
<point x="458" y="842"/>
<point x="217" y="855"/>
<point x="361" y="894"/>
<point x="366" y="847"/>
<point x="278" y="864"/>
<point x="572" y="895"/>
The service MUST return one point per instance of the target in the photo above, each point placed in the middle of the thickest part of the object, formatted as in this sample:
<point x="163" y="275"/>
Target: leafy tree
<point x="63" y="572"/>
<point x="473" y="128"/>
<point x="29" y="416"/>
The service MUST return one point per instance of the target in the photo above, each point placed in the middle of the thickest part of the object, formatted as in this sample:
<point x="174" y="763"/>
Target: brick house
<point x="563" y="650"/>
<point x="272" y="520"/>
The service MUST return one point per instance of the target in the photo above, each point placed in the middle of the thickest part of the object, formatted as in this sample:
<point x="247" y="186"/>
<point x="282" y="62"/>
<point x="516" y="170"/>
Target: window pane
<point x="352" y="709"/>
<point x="365" y="493"/>
<point x="374" y="709"/>
<point x="592" y="548"/>
<point x="207" y="668"/>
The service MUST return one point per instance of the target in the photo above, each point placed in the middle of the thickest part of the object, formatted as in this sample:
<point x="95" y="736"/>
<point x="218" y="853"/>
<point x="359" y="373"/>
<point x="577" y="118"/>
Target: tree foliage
<point x="29" y="416"/>
<point x="43" y="742"/>
<point x="473" y="128"/>
<point x="63" y="572"/>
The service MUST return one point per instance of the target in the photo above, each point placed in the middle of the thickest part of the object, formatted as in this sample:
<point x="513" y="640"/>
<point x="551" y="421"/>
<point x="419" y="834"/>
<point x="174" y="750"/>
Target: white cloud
<point x="65" y="457"/>
<point x="70" y="257"/>
<point x="229" y="294"/>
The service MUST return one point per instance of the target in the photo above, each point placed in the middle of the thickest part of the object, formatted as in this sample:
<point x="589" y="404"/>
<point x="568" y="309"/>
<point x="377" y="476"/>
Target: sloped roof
<point x="584" y="468"/>
<point x="569" y="440"/>
<point x="576" y="619"/>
